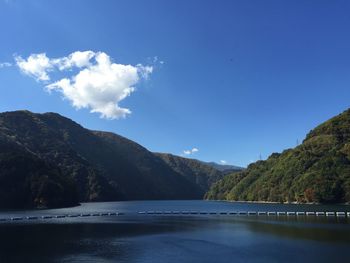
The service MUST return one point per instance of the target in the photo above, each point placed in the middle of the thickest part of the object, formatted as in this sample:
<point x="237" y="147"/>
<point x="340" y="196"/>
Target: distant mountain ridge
<point x="318" y="170"/>
<point x="227" y="168"/>
<point x="195" y="171"/>
<point x="62" y="163"/>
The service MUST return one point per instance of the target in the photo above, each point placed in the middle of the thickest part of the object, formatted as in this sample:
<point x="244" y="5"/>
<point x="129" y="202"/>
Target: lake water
<point x="137" y="237"/>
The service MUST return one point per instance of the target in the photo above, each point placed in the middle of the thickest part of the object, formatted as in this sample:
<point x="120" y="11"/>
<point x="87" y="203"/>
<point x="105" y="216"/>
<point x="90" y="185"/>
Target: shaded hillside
<point x="27" y="181"/>
<point x="57" y="141"/>
<point x="153" y="178"/>
<point x="318" y="170"/>
<point x="193" y="170"/>
<point x="102" y="166"/>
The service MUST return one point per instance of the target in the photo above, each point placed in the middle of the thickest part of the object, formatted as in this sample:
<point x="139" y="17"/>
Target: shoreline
<point x="228" y="201"/>
<point x="271" y="202"/>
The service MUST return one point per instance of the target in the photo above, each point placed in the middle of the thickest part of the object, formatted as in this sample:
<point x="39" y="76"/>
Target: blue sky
<point x="239" y="78"/>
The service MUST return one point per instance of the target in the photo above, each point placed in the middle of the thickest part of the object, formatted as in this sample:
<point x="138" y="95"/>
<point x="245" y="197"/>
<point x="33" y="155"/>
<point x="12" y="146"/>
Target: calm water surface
<point x="134" y="237"/>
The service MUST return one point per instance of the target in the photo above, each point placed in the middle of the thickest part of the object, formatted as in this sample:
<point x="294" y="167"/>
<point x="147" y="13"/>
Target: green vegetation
<point x="47" y="160"/>
<point x="318" y="170"/>
<point x="197" y="172"/>
<point x="26" y="181"/>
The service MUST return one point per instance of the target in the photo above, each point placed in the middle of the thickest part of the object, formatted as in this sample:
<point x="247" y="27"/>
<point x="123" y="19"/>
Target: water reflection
<point x="135" y="238"/>
<point x="49" y="242"/>
<point x="310" y="229"/>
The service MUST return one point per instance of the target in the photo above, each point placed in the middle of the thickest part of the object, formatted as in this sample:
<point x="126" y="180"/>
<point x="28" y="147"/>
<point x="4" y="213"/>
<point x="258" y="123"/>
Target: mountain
<point x="318" y="170"/>
<point x="226" y="168"/>
<point x="28" y="181"/>
<point x="197" y="172"/>
<point x="47" y="160"/>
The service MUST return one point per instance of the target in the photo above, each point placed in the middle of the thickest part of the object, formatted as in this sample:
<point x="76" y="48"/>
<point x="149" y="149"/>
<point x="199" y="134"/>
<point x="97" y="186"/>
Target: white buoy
<point x="330" y="214"/>
<point x="271" y="213"/>
<point x="341" y="214"/>
<point x="16" y="218"/>
<point x="31" y="217"/>
<point x="290" y="213"/>
<point x="72" y="215"/>
<point x="85" y="215"/>
<point x="310" y="213"/>
<point x="281" y="213"/>
<point x="261" y="213"/>
<point x="300" y="213"/>
<point x="320" y="213"/>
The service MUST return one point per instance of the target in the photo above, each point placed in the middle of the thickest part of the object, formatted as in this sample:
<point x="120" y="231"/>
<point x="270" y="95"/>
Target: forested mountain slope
<point x="318" y="170"/>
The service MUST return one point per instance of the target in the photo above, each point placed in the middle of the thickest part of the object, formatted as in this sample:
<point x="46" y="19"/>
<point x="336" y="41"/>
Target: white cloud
<point x="5" y="65"/>
<point x="77" y="59"/>
<point x="36" y="66"/>
<point x="189" y="152"/>
<point x="99" y="85"/>
<point x="223" y="162"/>
<point x="155" y="61"/>
<point x="144" y="71"/>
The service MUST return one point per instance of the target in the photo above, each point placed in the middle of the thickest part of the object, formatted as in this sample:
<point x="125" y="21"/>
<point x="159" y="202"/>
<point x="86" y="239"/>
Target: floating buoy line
<point x="180" y="213"/>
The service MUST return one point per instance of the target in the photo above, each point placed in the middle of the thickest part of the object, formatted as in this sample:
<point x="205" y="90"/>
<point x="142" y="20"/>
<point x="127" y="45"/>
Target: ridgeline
<point x="317" y="171"/>
<point x="47" y="160"/>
